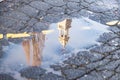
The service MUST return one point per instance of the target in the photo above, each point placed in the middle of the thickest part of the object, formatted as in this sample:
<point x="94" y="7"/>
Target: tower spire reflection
<point x="63" y="28"/>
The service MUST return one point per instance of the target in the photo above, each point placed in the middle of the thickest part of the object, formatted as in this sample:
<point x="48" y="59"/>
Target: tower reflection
<point x="63" y="28"/>
<point x="33" y="49"/>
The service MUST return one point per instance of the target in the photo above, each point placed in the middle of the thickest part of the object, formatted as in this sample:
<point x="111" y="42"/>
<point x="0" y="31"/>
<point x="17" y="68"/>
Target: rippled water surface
<point x="53" y="45"/>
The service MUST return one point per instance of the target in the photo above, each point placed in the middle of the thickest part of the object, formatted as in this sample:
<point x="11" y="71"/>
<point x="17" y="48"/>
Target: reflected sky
<point x="83" y="32"/>
<point x="50" y="47"/>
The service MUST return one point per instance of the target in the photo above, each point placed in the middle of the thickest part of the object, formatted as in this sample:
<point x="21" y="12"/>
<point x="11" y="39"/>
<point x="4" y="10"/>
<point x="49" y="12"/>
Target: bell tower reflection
<point x="33" y="49"/>
<point x="63" y="28"/>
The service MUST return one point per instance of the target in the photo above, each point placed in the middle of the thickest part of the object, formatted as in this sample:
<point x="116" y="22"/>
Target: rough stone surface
<point x="73" y="73"/>
<point x="40" y="26"/>
<point x="116" y="55"/>
<point x="82" y="58"/>
<point x="23" y="10"/>
<point x="106" y="37"/>
<point x="115" y="30"/>
<point x="100" y="62"/>
<point x="32" y="12"/>
<point x="55" y="2"/>
<point x="94" y="75"/>
<point x="115" y="77"/>
<point x="73" y="6"/>
<point x="103" y="49"/>
<point x="6" y="77"/>
<point x="32" y="72"/>
<point x="114" y="42"/>
<point x="51" y="76"/>
<point x="56" y="10"/>
<point x="40" y="5"/>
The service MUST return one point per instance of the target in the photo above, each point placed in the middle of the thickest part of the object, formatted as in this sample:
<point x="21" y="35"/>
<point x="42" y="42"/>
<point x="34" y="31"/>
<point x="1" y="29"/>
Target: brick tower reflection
<point x="33" y="49"/>
<point x="63" y="28"/>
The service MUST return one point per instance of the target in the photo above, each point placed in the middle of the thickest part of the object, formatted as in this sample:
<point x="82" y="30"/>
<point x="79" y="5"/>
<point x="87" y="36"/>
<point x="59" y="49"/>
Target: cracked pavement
<point x="25" y="15"/>
<point x="99" y="62"/>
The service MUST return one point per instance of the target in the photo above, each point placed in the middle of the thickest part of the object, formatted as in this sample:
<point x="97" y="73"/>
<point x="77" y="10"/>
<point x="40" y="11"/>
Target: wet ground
<point x="70" y="49"/>
<point x="82" y="34"/>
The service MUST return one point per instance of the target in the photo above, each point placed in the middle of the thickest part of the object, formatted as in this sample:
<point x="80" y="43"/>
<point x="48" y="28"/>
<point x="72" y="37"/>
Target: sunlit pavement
<point x="100" y="62"/>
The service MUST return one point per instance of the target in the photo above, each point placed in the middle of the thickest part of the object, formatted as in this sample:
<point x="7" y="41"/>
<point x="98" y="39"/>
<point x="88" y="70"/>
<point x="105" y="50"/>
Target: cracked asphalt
<point x="99" y="62"/>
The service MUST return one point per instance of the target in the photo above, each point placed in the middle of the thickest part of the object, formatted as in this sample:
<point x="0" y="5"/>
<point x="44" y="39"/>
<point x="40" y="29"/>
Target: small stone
<point x="115" y="77"/>
<point x="118" y="69"/>
<point x="51" y="76"/>
<point x="116" y="54"/>
<point x="73" y="6"/>
<point x="52" y="18"/>
<point x="55" y="2"/>
<point x="29" y="11"/>
<point x="97" y="64"/>
<point x="6" y="77"/>
<point x="18" y="15"/>
<point x="32" y="22"/>
<point x="32" y="72"/>
<point x="55" y="10"/>
<point x="110" y="66"/>
<point x="106" y="73"/>
<point x="115" y="29"/>
<point x="92" y="76"/>
<point x="73" y="73"/>
<point x="80" y="59"/>
<point x="103" y="49"/>
<point x="74" y="0"/>
<point x="105" y="37"/>
<point x="40" y="26"/>
<point x="41" y="14"/>
<point x="114" y="42"/>
<point x="90" y="1"/>
<point x="40" y="5"/>
<point x="56" y="67"/>
<point x="6" y="23"/>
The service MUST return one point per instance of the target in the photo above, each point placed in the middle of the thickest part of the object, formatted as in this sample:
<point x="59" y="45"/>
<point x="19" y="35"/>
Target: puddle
<point x="53" y="45"/>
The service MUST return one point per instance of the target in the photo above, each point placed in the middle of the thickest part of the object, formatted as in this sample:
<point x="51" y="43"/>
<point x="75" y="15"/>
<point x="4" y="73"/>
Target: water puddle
<point x="53" y="45"/>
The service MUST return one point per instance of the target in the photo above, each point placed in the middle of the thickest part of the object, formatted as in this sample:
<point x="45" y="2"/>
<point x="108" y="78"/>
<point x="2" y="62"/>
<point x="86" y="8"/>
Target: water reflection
<point x="63" y="28"/>
<point x="33" y="49"/>
<point x="1" y="36"/>
<point x="15" y="35"/>
<point x="45" y="48"/>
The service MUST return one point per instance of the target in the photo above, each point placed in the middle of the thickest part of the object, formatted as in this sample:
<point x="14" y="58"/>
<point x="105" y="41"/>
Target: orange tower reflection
<point x="63" y="28"/>
<point x="33" y="49"/>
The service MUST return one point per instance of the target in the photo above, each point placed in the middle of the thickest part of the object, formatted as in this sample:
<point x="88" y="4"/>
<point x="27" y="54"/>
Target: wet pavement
<point x="70" y="49"/>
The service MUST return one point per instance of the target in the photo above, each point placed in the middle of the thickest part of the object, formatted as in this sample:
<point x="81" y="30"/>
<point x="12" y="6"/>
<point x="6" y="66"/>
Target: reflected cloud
<point x="86" y="28"/>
